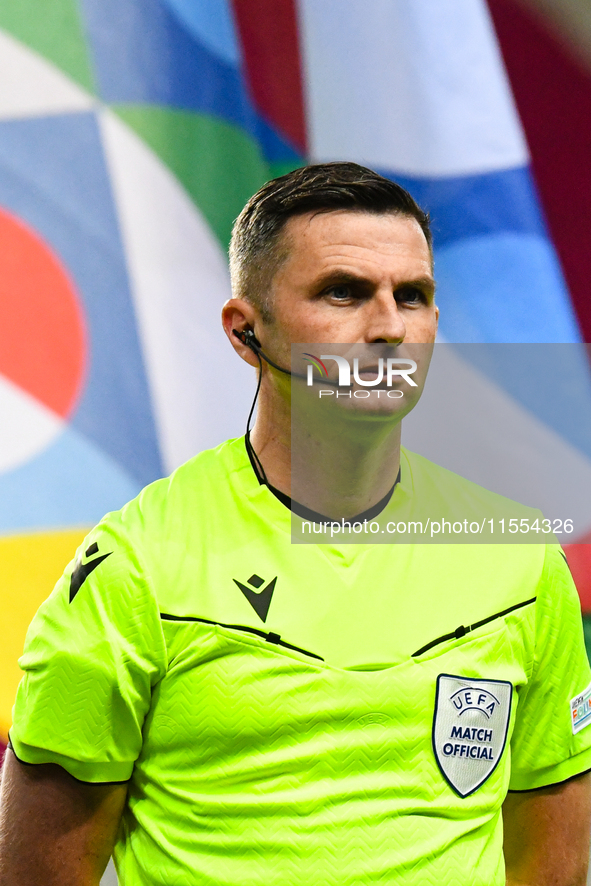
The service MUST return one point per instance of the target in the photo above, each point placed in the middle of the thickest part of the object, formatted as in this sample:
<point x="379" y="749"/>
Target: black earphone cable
<point x="256" y="462"/>
<point x="248" y="338"/>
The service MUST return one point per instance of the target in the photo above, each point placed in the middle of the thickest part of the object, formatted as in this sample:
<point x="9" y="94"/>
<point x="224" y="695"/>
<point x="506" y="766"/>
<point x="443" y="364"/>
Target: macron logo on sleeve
<point x="83" y="570"/>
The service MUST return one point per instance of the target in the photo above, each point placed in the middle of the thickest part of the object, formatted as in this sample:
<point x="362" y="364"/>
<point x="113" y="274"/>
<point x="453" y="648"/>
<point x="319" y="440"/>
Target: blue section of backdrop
<point x="72" y="482"/>
<point x="53" y="176"/>
<point x="144" y="54"/>
<point x="498" y="276"/>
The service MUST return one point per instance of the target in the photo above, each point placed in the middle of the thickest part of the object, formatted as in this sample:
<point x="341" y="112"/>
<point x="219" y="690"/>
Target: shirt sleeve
<point x="552" y="740"/>
<point x="93" y="652"/>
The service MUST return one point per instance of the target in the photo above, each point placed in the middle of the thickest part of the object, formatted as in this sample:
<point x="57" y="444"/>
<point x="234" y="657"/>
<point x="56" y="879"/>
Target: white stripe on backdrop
<point x="418" y="88"/>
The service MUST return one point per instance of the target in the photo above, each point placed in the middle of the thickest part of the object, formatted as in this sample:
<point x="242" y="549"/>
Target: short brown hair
<point x="255" y="253"/>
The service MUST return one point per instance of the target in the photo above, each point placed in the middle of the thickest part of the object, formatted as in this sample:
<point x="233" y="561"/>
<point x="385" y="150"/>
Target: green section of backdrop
<point x="52" y="28"/>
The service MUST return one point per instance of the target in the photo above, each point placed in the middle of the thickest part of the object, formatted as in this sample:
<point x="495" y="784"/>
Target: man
<point x="222" y="706"/>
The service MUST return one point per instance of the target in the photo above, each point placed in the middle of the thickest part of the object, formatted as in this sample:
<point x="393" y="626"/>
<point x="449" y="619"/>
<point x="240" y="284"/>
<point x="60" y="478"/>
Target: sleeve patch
<point x="580" y="709"/>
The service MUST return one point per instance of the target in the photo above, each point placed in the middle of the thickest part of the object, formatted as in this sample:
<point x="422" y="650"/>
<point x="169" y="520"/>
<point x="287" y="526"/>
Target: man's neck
<point x="340" y="468"/>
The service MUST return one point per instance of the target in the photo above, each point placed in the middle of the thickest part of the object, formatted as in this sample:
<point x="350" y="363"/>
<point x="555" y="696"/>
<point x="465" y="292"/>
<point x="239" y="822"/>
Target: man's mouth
<point x="371" y="374"/>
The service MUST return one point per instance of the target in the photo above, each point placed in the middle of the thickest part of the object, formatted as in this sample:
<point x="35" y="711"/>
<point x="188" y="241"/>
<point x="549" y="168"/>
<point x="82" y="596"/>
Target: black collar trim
<point x="308" y="514"/>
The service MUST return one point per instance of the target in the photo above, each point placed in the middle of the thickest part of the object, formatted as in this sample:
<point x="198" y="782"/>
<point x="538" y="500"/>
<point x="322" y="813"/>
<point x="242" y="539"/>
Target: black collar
<point x="306" y="513"/>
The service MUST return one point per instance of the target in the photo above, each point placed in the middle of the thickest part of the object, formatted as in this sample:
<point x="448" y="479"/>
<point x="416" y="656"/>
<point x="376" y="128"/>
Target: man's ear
<point x="239" y="316"/>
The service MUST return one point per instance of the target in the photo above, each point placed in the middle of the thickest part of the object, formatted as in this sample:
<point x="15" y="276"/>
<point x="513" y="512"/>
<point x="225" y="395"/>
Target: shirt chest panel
<point x="373" y="609"/>
<point x="249" y="721"/>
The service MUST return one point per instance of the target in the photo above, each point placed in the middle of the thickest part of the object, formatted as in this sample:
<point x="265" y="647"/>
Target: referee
<point x="218" y="707"/>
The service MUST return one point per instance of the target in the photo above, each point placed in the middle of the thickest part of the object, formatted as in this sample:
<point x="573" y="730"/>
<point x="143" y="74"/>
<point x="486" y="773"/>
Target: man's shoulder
<point x="185" y="487"/>
<point x="180" y="519"/>
<point x="178" y="506"/>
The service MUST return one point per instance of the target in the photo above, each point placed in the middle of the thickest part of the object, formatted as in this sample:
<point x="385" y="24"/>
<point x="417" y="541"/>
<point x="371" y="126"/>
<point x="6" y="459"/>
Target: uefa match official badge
<point x="470" y="729"/>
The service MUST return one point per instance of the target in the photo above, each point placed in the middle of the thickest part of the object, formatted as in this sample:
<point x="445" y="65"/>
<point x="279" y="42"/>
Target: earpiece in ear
<point x="248" y="338"/>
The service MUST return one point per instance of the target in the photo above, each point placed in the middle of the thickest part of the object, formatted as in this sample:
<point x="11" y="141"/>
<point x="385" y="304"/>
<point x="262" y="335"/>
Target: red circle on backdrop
<point x="42" y="332"/>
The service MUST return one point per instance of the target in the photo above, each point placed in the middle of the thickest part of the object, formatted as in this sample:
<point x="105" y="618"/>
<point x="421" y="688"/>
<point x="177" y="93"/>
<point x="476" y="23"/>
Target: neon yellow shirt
<point x="266" y="702"/>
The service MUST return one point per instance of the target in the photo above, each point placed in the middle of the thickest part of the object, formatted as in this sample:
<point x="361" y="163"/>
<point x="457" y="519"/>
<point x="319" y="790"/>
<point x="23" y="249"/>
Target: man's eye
<point x="411" y="296"/>
<point x="341" y="293"/>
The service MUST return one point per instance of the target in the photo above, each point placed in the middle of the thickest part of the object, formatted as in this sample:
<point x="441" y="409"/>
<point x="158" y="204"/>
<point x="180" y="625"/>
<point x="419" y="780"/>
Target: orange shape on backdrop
<point x="42" y="335"/>
<point x="30" y="565"/>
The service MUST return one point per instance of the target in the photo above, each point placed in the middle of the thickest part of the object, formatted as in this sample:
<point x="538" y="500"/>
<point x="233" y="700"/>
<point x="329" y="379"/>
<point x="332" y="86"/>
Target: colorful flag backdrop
<point x="132" y="132"/>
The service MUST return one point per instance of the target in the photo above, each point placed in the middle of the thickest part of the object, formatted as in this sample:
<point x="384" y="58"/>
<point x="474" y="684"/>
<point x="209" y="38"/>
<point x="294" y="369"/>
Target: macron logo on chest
<point x="260" y="600"/>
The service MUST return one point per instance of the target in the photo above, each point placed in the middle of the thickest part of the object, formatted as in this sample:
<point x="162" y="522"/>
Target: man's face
<point x="353" y="277"/>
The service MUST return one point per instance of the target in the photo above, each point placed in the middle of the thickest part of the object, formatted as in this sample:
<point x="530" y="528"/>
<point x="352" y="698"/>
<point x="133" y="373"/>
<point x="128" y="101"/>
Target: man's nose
<point x="384" y="321"/>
